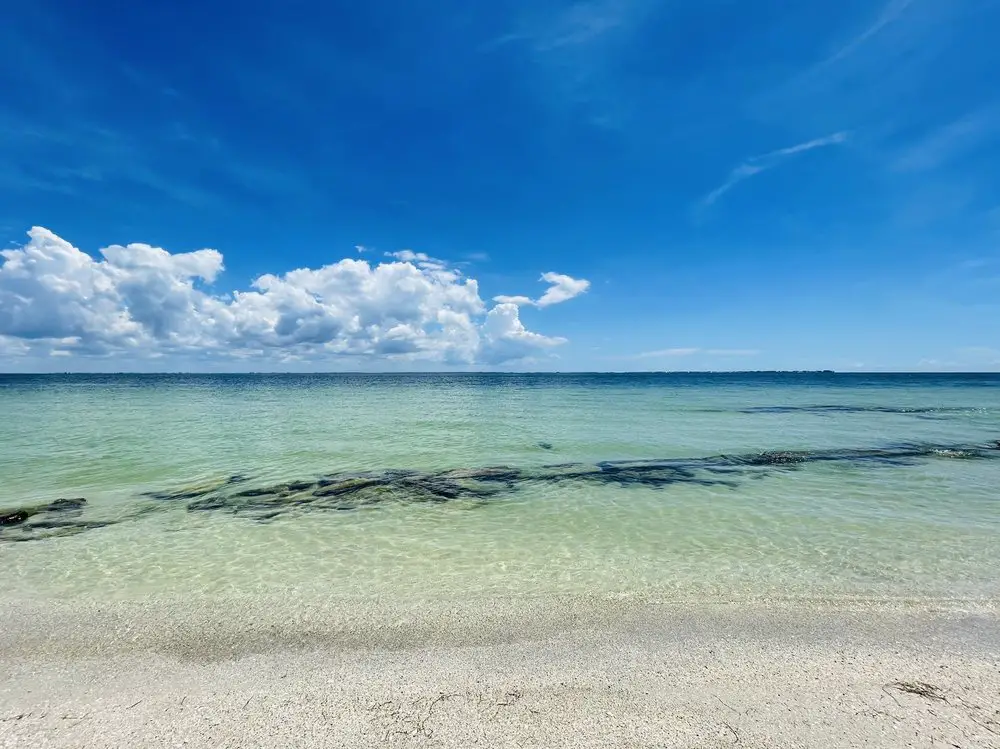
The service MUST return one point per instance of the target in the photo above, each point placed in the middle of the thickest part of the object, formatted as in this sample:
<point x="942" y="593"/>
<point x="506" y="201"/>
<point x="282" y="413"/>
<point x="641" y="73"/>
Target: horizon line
<point x="524" y="372"/>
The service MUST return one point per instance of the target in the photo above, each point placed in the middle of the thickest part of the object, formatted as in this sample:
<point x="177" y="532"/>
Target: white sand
<point x="573" y="673"/>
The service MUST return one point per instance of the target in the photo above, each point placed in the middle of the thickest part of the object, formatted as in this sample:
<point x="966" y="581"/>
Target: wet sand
<point x="567" y="672"/>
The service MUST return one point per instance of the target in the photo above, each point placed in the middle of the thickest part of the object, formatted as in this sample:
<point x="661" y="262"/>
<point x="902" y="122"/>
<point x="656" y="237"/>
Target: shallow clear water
<point x="818" y="522"/>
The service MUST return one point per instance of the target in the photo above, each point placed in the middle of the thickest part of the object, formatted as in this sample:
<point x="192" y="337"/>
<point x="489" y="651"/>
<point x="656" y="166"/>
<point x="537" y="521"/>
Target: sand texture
<point x="565" y="673"/>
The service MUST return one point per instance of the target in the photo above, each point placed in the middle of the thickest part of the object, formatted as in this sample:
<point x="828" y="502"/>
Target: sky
<point x="520" y="185"/>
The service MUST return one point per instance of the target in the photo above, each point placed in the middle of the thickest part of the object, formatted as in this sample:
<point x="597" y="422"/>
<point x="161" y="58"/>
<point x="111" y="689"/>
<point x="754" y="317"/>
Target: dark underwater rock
<point x="261" y="492"/>
<point x="434" y="488"/>
<point x="346" y="486"/>
<point x="268" y="516"/>
<point x="22" y="514"/>
<point x="278" y="489"/>
<point x="179" y="494"/>
<point x="473" y="487"/>
<point x="372" y="498"/>
<point x="958" y="454"/>
<point x="13" y="517"/>
<point x="444" y="486"/>
<point x="193" y="491"/>
<point x="776" y="459"/>
<point x="504" y="474"/>
<point x="849" y="409"/>
<point x="49" y="529"/>
<point x="653" y="474"/>
<point x="208" y="503"/>
<point x="72" y="524"/>
<point x="558" y="473"/>
<point x="55" y="519"/>
<point x="61" y="505"/>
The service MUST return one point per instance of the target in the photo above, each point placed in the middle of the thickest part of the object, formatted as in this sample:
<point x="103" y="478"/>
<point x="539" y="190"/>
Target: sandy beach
<point x="527" y="673"/>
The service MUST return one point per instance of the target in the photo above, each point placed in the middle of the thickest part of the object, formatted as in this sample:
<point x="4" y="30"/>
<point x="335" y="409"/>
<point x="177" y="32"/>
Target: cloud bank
<point x="138" y="300"/>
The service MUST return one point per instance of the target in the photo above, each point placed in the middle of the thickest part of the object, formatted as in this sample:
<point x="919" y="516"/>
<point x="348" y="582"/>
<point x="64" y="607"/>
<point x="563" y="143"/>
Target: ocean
<point x="670" y="486"/>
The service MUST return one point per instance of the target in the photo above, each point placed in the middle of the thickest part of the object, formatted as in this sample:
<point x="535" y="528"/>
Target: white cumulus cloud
<point x="140" y="300"/>
<point x="409" y="256"/>
<point x="517" y="301"/>
<point x="562" y="288"/>
<point x="505" y="337"/>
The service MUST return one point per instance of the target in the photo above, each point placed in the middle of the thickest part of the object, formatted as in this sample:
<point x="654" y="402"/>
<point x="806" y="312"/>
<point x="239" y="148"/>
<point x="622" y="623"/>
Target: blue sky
<point x="714" y="185"/>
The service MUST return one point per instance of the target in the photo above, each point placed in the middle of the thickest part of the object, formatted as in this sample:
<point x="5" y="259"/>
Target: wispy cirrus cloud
<point x="978" y="355"/>
<point x="889" y="14"/>
<point x="757" y="164"/>
<point x="81" y="154"/>
<point x="890" y="34"/>
<point x="585" y="22"/>
<point x="966" y="359"/>
<point x="680" y="352"/>
<point x="579" y="24"/>
<point x="666" y="352"/>
<point x="947" y="142"/>
<point x="576" y="49"/>
<point x="877" y="70"/>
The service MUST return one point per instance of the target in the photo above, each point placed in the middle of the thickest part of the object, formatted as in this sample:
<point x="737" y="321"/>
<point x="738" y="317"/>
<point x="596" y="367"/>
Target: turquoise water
<point x="681" y="486"/>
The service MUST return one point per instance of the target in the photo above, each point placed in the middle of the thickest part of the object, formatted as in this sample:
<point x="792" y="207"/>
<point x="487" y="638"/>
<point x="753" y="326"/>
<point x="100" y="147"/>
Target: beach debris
<point x="921" y="688"/>
<point x="733" y="731"/>
<point x="413" y="721"/>
<point x="510" y="698"/>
